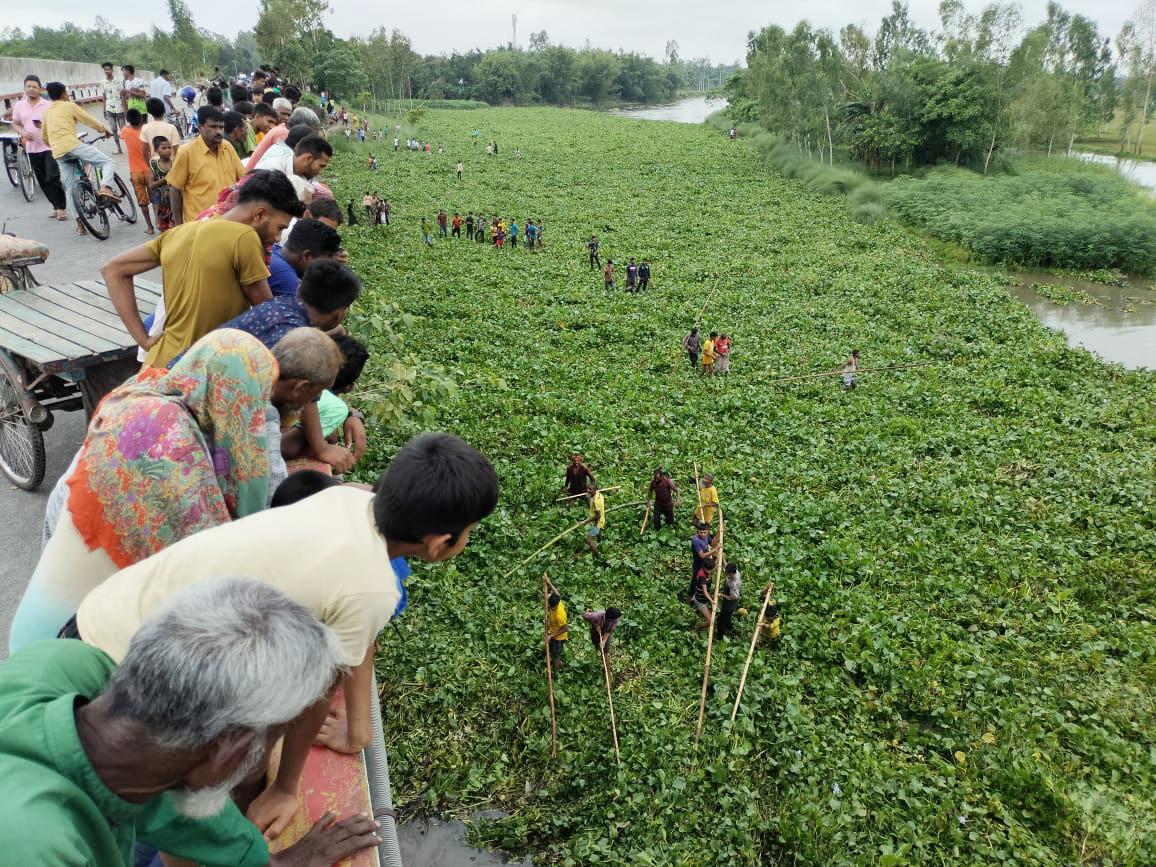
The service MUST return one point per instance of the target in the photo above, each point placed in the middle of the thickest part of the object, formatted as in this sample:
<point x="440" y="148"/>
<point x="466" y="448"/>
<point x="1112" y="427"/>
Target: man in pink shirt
<point x="27" y="117"/>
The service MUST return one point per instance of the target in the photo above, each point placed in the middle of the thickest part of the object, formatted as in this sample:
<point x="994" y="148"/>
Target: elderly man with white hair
<point x="296" y="117"/>
<point x="95" y="756"/>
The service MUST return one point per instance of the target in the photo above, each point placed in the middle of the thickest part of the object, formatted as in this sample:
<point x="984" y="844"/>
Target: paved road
<point x="72" y="258"/>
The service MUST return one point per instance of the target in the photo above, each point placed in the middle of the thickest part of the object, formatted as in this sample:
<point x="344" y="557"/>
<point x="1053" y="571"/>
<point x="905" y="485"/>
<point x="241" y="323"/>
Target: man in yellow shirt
<point x="60" y="120"/>
<point x="597" y="519"/>
<point x="557" y="630"/>
<point x="212" y="270"/>
<point x="202" y="168"/>
<point x="707" y="499"/>
<point x="708" y="354"/>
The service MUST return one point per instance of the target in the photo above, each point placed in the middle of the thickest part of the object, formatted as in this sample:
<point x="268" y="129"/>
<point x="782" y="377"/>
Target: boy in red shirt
<point x="138" y="166"/>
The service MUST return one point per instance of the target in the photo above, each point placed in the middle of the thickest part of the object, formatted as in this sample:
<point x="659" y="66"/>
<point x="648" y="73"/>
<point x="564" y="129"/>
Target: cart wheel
<point x="21" y="441"/>
<point x="10" y="278"/>
<point x="27" y="176"/>
<point x="126" y="208"/>
<point x="88" y="208"/>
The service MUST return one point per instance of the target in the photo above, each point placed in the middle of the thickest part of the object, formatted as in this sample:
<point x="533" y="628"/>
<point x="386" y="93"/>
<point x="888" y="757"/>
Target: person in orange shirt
<point x="138" y="166"/>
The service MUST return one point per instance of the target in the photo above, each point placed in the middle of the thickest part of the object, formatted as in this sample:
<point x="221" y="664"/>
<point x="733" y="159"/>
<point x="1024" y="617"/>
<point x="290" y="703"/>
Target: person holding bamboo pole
<point x="597" y="516"/>
<point x="707" y="500"/>
<point x="849" y="368"/>
<point x="602" y="624"/>
<point x="557" y="630"/>
<point x="578" y="476"/>
<point x="700" y="547"/>
<point x="731" y="596"/>
<point x="700" y="598"/>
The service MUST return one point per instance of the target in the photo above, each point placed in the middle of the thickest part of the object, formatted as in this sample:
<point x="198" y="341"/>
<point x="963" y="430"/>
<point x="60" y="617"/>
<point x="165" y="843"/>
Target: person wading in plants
<point x="557" y="631"/>
<point x="770" y="627"/>
<point x="592" y="250"/>
<point x="850" y="367"/>
<point x="707" y="500"/>
<point x="643" y="276"/>
<point x="602" y="624"/>
<point x="700" y="598"/>
<point x="631" y="276"/>
<point x="456" y="225"/>
<point x="708" y="354"/>
<point x="608" y="274"/>
<point x="597" y="516"/>
<point x="470" y="226"/>
<point x="578" y="476"/>
<point x="731" y="597"/>
<point x="722" y="355"/>
<point x="426" y="237"/>
<point x="700" y="547"/>
<point x="692" y="343"/>
<point x="663" y="492"/>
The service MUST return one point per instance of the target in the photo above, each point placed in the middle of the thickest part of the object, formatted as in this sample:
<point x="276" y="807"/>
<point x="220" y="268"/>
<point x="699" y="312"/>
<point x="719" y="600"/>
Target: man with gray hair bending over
<point x="95" y="756"/>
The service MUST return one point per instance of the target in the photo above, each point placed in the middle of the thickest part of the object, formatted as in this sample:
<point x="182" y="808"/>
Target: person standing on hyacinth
<point x="597" y="516"/>
<point x="850" y="367"/>
<point x="692" y="343"/>
<point x="707" y="499"/>
<point x="608" y="274"/>
<point x="602" y="624"/>
<point x="592" y="249"/>
<point x="708" y="354"/>
<point x="578" y="475"/>
<point x="664" y="492"/>
<point x="722" y="355"/>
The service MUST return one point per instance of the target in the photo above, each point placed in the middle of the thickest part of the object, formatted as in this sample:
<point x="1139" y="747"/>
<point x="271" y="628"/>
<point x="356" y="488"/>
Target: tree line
<point x="906" y="96"/>
<point x="291" y="35"/>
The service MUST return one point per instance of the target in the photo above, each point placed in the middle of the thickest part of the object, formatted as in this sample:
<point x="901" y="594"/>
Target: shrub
<point x="1050" y="214"/>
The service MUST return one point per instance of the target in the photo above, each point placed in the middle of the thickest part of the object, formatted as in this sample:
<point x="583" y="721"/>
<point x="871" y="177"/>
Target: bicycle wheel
<point x="10" y="164"/>
<point x="126" y="208"/>
<point x="92" y="216"/>
<point x="21" y="441"/>
<point x="27" y="176"/>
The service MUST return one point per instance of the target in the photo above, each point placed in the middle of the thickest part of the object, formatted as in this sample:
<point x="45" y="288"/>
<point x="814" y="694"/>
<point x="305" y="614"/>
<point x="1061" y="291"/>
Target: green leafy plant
<point x="963" y="552"/>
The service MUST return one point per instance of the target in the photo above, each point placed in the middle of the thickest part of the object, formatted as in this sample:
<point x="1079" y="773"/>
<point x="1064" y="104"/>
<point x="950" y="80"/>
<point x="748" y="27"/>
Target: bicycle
<point x="93" y="209"/>
<point x="18" y="166"/>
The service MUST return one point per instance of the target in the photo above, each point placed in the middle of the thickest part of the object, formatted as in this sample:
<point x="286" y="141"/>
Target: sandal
<point x="109" y="193"/>
<point x="80" y="230"/>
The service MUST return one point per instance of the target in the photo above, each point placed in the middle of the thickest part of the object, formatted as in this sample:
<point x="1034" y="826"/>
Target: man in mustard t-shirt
<point x="202" y="168"/>
<point x="60" y="120"/>
<point x="213" y="270"/>
<point x="557" y="630"/>
<point x="597" y="513"/>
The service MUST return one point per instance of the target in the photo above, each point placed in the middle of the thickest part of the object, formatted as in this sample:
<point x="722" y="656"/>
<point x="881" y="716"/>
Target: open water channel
<point x="1117" y="323"/>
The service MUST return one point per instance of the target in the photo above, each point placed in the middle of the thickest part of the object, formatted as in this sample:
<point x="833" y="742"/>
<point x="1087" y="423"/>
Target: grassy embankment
<point x="963" y="551"/>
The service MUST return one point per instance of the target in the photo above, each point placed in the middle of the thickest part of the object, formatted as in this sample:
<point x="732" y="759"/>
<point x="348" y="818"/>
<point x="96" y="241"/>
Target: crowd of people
<point x="637" y="273"/>
<point x="223" y="458"/>
<point x="662" y="499"/>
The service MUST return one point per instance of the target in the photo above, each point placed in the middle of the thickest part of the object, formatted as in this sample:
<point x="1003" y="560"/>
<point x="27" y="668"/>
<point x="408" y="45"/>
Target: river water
<point x="693" y="109"/>
<point x="1139" y="172"/>
<point x="1118" y="323"/>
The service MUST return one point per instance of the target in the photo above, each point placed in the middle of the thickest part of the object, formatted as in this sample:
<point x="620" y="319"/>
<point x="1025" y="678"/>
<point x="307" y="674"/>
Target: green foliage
<point x="1066" y="214"/>
<point x="963" y="553"/>
<point x="339" y="71"/>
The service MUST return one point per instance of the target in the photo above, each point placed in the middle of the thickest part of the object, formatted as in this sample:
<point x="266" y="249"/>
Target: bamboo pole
<point x="576" y="496"/>
<point x="645" y="518"/>
<point x="702" y="310"/>
<point x="549" y="667"/>
<point x="713" y="619"/>
<point x="861" y="370"/>
<point x="565" y="533"/>
<point x="609" y="695"/>
<point x="751" y="650"/>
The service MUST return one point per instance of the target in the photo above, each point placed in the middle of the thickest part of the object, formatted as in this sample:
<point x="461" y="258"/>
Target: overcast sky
<point x="716" y="29"/>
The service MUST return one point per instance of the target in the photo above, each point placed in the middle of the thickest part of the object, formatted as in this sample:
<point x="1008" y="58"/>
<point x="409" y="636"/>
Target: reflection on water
<point x="694" y="109"/>
<point x="1138" y="171"/>
<point x="1120" y="326"/>
<point x="434" y="843"/>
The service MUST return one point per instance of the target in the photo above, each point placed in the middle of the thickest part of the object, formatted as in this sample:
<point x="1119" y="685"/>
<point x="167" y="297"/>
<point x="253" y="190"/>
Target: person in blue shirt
<point x="327" y="291"/>
<point x="308" y="241"/>
<point x="513" y="233"/>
